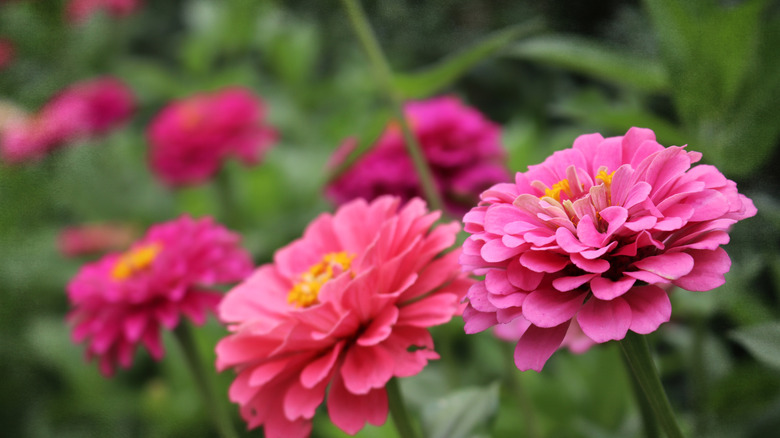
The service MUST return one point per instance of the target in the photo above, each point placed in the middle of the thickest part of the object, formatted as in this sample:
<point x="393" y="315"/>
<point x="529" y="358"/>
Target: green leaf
<point x="458" y="414"/>
<point x="433" y="79"/>
<point x="594" y="59"/>
<point x="762" y="341"/>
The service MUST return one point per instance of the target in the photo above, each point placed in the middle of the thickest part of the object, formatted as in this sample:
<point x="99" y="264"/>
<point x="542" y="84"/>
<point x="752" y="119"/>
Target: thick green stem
<point x="514" y="385"/>
<point x="384" y="75"/>
<point x="398" y="410"/>
<point x="641" y="364"/>
<point x="203" y="381"/>
<point x="649" y="423"/>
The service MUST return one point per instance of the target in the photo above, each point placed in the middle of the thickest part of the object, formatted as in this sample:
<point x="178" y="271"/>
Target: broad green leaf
<point x="433" y="79"/>
<point x="594" y="59"/>
<point x="762" y="341"/>
<point x="458" y="414"/>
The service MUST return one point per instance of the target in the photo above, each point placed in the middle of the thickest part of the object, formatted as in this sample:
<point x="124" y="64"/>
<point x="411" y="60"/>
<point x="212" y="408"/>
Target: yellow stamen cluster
<point x="605" y="177"/>
<point x="557" y="188"/>
<point x="307" y="289"/>
<point x="134" y="261"/>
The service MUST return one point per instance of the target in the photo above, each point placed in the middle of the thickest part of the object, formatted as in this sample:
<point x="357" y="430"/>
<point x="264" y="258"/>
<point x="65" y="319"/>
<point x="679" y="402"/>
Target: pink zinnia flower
<point x="463" y="150"/>
<point x="82" y="110"/>
<point x="347" y="307"/>
<point x="595" y="233"/>
<point x="190" y="138"/>
<point x="94" y="238"/>
<point x="79" y="11"/>
<point x="124" y="300"/>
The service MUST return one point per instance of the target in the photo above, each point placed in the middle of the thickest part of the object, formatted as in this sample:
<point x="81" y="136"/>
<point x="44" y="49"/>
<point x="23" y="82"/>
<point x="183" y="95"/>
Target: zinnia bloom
<point x="83" y="110"/>
<point x="597" y="233"/>
<point x="80" y="11"/>
<point x="190" y="138"/>
<point x="94" y="238"/>
<point x="124" y="300"/>
<point x="463" y="150"/>
<point x="347" y="306"/>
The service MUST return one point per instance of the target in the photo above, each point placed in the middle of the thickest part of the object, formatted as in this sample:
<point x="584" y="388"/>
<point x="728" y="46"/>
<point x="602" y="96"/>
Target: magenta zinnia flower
<point x="190" y="138"/>
<point x="347" y="307"/>
<point x="124" y="300"/>
<point x="596" y="233"/>
<point x="79" y="11"/>
<point x="463" y="150"/>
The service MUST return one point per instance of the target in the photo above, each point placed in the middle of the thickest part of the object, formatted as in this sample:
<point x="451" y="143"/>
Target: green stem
<point x="204" y="383"/>
<point x="649" y="424"/>
<point x="641" y="364"/>
<point x="516" y="387"/>
<point x="403" y="423"/>
<point x="384" y="74"/>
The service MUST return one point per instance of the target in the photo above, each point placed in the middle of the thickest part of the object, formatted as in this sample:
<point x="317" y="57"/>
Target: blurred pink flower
<point x="80" y="11"/>
<point x="347" y="306"/>
<point x="124" y="300"/>
<point x="94" y="238"/>
<point x="596" y="233"/>
<point x="82" y="110"/>
<point x="463" y="150"/>
<point x="7" y="52"/>
<point x="190" y="138"/>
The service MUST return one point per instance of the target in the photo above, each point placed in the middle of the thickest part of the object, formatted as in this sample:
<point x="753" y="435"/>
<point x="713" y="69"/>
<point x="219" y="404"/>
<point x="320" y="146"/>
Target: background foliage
<point x="702" y="73"/>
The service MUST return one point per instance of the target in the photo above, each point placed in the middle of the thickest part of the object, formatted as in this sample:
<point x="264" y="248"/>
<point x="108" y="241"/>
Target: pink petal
<point x="522" y="277"/>
<point x="366" y="368"/>
<point x="476" y="321"/>
<point x="565" y="284"/>
<point x="568" y="242"/>
<point x="380" y="328"/>
<point x="708" y="270"/>
<point x="670" y="266"/>
<point x="549" y="308"/>
<point x="537" y="345"/>
<point x="650" y="307"/>
<point x="433" y="310"/>
<point x="300" y="401"/>
<point x="604" y="321"/>
<point x="494" y="251"/>
<point x="543" y="261"/>
<point x="597" y="266"/>
<point x="319" y="369"/>
<point x="350" y="412"/>
<point x="606" y="289"/>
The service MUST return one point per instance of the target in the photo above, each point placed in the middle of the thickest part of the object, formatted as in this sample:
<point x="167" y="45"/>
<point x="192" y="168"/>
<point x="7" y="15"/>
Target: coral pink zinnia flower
<point x="595" y="233"/>
<point x="463" y="150"/>
<point x="348" y="307"/>
<point x="190" y="138"/>
<point x="124" y="300"/>
<point x="94" y="238"/>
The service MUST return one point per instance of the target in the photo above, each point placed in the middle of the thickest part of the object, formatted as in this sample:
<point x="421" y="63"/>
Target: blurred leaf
<point x="437" y="77"/>
<point x="458" y="414"/>
<point x="592" y="106"/>
<point x="762" y="341"/>
<point x="594" y="59"/>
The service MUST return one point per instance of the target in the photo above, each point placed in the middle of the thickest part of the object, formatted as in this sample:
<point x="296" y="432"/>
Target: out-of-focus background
<point x="704" y="73"/>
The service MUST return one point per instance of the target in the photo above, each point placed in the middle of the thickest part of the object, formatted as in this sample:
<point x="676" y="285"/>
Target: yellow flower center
<point x="605" y="177"/>
<point x="557" y="188"/>
<point x="307" y="289"/>
<point x="134" y="261"/>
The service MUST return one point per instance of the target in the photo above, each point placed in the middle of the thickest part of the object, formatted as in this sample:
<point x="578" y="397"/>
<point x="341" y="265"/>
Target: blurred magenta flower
<point x="124" y="300"/>
<point x="7" y="52"/>
<point x="347" y="306"/>
<point x="191" y="137"/>
<point x="462" y="148"/>
<point x="80" y="11"/>
<point x="596" y="233"/>
<point x="94" y="239"/>
<point x="85" y="109"/>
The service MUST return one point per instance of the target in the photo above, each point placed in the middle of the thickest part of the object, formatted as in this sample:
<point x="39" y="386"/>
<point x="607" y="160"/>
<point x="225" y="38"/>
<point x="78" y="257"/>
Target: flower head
<point x="190" y="138"/>
<point x="82" y="110"/>
<point x="348" y="307"/>
<point x="125" y="299"/>
<point x="462" y="148"/>
<point x="597" y="233"/>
